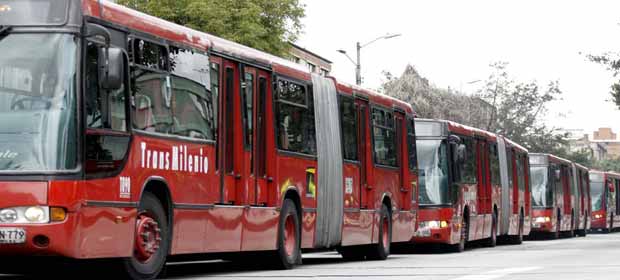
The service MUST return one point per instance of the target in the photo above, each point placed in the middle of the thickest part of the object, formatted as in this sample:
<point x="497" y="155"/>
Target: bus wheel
<point x="289" y="241"/>
<point x="151" y="241"/>
<point x="518" y="239"/>
<point x="381" y="250"/>
<point x="460" y="247"/>
<point x="352" y="253"/>
<point x="492" y="240"/>
<point x="558" y="228"/>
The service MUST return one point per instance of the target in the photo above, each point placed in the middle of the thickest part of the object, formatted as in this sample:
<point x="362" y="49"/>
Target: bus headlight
<point x="25" y="215"/>
<point x="598" y="216"/>
<point x="8" y="216"/>
<point x="540" y="220"/>
<point x="434" y="224"/>
<point x="35" y="214"/>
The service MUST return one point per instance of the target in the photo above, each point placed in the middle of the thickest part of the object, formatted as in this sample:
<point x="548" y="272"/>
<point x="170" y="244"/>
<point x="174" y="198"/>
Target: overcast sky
<point x="452" y="43"/>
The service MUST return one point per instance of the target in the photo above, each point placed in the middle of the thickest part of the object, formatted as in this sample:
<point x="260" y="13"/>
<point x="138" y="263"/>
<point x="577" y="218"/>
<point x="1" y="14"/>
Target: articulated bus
<point x="554" y="196"/>
<point x="583" y="205"/>
<point x="473" y="186"/>
<point x="605" y="200"/>
<point x="128" y="137"/>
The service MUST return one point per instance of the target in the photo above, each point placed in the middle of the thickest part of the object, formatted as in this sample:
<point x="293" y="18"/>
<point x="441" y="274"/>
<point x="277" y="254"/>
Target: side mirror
<point x="111" y="68"/>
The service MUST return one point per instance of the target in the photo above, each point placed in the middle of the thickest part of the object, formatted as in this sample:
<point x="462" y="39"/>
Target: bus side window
<point x="104" y="111"/>
<point x="151" y="88"/>
<point x="95" y="98"/>
<point x="192" y="102"/>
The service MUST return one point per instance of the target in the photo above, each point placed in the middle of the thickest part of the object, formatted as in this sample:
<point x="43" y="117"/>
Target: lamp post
<point x="359" y="46"/>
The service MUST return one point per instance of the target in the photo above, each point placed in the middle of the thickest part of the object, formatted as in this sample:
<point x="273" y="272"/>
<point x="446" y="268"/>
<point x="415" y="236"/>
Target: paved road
<point x="594" y="257"/>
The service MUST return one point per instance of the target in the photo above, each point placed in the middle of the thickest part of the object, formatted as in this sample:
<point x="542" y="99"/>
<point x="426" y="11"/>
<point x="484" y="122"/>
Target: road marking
<point x="496" y="274"/>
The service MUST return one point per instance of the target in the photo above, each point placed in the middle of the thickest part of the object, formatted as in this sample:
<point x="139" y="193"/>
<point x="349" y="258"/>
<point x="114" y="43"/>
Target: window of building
<point x="311" y="67"/>
<point x="295" y="115"/>
<point x="324" y="72"/>
<point x="348" y="124"/>
<point x="411" y="144"/>
<point x="384" y="138"/>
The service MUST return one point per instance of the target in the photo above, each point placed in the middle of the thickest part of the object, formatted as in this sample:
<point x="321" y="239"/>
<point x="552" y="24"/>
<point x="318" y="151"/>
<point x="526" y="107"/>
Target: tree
<point x="518" y="108"/>
<point x="503" y="105"/>
<point x="266" y="25"/>
<point x="433" y="102"/>
<point x="612" y="62"/>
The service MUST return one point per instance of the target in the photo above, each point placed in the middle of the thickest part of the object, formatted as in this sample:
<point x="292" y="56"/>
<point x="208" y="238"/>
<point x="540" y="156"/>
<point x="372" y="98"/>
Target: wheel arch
<point x="159" y="187"/>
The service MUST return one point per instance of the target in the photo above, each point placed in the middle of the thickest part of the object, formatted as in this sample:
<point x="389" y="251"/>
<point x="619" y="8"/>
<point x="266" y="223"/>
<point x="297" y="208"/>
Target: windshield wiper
<point x="4" y="31"/>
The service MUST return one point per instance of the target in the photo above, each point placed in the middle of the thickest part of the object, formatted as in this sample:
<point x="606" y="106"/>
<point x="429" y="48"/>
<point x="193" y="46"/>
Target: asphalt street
<point x="595" y="257"/>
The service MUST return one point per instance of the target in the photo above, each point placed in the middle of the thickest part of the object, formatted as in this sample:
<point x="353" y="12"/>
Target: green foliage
<point x="266" y="25"/>
<point x="583" y="157"/>
<point x="612" y="62"/>
<point x="608" y="165"/>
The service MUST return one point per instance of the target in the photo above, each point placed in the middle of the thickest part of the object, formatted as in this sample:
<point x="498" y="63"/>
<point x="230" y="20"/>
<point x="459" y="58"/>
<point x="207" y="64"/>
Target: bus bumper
<point x="53" y="239"/>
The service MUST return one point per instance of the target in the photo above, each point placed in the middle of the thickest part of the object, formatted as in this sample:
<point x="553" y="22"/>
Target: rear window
<point x="33" y="12"/>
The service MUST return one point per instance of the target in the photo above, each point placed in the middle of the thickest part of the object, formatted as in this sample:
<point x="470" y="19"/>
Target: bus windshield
<point x="542" y="193"/>
<point x="37" y="102"/>
<point x="33" y="12"/>
<point x="433" y="168"/>
<point x="597" y="192"/>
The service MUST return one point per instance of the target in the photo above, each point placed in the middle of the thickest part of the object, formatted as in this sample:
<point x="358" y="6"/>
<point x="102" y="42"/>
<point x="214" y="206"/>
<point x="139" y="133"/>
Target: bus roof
<point x="551" y="158"/>
<point x="129" y="18"/>
<point x="450" y="126"/>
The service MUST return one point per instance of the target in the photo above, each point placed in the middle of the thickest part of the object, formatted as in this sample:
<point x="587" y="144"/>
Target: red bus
<point x="603" y="188"/>
<point x="125" y="136"/>
<point x="473" y="186"/>
<point x="583" y="205"/>
<point x="554" y="195"/>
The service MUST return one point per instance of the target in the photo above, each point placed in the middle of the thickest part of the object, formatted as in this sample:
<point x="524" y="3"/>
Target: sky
<point x="452" y="43"/>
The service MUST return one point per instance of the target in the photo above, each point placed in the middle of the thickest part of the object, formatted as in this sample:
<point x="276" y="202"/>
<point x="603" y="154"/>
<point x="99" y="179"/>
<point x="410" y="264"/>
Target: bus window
<point x="466" y="167"/>
<point x="384" y="138"/>
<point x="411" y="144"/>
<point x="295" y="115"/>
<point x="348" y="124"/>
<point x="151" y="88"/>
<point x="494" y="163"/>
<point x="192" y="103"/>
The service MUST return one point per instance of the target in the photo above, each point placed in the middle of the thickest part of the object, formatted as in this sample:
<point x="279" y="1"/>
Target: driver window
<point x="96" y="101"/>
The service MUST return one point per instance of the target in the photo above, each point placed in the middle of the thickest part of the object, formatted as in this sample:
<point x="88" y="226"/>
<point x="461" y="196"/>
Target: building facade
<point x="314" y="62"/>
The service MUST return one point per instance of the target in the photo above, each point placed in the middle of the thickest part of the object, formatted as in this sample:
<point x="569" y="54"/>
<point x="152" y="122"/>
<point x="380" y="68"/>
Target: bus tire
<point x="518" y="239"/>
<point x="288" y="253"/>
<point x="352" y="253"/>
<point x="381" y="250"/>
<point x="460" y="247"/>
<point x="151" y="241"/>
<point x="492" y="240"/>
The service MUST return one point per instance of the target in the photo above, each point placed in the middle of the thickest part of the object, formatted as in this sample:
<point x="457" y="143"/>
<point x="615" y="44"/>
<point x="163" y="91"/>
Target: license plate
<point x="12" y="236"/>
<point x="425" y="232"/>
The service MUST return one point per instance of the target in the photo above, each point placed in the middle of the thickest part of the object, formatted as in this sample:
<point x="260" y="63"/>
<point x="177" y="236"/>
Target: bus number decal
<point x="125" y="189"/>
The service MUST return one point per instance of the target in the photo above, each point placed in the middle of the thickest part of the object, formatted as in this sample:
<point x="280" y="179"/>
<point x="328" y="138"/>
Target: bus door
<point x="483" y="184"/>
<point x="401" y="136"/>
<point x="566" y="190"/>
<point x="230" y="144"/>
<point x="365" y="156"/>
<point x="253" y="170"/>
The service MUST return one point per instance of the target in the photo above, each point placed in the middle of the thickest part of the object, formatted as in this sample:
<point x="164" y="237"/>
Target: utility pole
<point x="357" y="63"/>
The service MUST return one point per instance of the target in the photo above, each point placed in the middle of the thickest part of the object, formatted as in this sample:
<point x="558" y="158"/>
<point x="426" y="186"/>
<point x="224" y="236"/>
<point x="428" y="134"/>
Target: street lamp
<point x="359" y="46"/>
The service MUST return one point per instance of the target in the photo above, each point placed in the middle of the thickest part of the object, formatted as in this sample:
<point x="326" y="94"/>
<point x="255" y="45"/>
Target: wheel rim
<point x="148" y="238"/>
<point x="385" y="237"/>
<point x="290" y="238"/>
